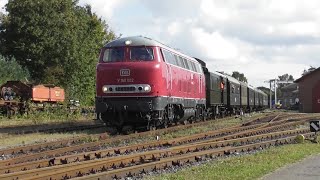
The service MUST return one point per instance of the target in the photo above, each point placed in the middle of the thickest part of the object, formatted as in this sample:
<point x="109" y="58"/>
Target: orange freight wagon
<point x="35" y="93"/>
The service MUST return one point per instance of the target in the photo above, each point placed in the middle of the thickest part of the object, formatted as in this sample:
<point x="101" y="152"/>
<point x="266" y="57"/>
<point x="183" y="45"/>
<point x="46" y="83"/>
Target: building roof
<point x="290" y="87"/>
<point x="307" y="75"/>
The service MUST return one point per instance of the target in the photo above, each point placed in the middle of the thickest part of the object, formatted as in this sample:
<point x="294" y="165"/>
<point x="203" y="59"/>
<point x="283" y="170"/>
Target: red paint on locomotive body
<point x="142" y="76"/>
<point x="120" y="74"/>
<point x="165" y="79"/>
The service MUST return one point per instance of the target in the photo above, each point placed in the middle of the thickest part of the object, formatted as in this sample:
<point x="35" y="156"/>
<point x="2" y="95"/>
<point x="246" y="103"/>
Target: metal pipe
<point x="270" y="96"/>
<point x="275" y="92"/>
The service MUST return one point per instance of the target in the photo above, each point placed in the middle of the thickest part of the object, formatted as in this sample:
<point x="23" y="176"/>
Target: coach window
<point x="113" y="55"/>
<point x="232" y="89"/>
<point x="141" y="54"/>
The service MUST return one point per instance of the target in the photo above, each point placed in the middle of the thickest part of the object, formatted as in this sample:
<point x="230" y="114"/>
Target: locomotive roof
<point x="143" y="41"/>
<point x="135" y="41"/>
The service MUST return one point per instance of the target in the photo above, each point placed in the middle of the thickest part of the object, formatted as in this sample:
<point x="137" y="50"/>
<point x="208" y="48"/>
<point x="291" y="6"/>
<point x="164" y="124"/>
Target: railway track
<point x="13" y="151"/>
<point x="124" y="162"/>
<point x="50" y="128"/>
<point x="51" y="149"/>
<point x="73" y="162"/>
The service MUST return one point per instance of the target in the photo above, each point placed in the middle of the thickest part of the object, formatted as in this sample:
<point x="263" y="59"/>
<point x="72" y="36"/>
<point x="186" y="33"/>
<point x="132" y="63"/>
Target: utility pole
<point x="275" y="91"/>
<point x="275" y="82"/>
<point x="271" y="83"/>
<point x="270" y="96"/>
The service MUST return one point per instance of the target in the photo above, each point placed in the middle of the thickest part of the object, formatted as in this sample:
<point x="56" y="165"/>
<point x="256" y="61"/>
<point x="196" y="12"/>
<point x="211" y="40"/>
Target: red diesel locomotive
<point x="143" y="82"/>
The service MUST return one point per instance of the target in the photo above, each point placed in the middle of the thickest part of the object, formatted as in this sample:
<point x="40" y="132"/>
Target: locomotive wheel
<point x="185" y="122"/>
<point x="152" y="126"/>
<point x="127" y="130"/>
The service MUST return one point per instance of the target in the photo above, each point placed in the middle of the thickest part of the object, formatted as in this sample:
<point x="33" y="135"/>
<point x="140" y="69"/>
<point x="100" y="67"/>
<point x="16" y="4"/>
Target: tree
<point x="311" y="68"/>
<point x="11" y="70"/>
<point x="239" y="76"/>
<point x="58" y="41"/>
<point x="286" y="77"/>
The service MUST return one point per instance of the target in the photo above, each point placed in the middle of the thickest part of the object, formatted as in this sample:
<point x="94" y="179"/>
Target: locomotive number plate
<point x="125" y="80"/>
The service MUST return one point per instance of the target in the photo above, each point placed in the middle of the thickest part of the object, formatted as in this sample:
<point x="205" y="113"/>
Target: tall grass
<point x="48" y="115"/>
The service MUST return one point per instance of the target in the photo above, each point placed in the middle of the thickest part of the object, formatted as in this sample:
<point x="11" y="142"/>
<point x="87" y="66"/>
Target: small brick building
<point x="309" y="92"/>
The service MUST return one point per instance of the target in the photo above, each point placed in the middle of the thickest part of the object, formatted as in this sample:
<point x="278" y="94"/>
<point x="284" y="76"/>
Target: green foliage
<point x="286" y="77"/>
<point x="11" y="70"/>
<point x="239" y="76"/>
<point x="58" y="41"/>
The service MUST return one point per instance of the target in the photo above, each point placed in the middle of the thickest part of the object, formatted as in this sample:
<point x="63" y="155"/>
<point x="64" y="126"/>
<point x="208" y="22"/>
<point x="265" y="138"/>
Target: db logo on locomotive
<point x="124" y="72"/>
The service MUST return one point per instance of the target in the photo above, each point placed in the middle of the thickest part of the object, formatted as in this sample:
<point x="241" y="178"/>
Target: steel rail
<point x="15" y="166"/>
<point x="55" y="152"/>
<point x="183" y="159"/>
<point x="76" y="140"/>
<point x="74" y="170"/>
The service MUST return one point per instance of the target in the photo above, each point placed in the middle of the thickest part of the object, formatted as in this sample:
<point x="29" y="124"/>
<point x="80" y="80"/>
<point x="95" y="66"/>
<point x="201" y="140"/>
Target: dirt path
<point x="307" y="169"/>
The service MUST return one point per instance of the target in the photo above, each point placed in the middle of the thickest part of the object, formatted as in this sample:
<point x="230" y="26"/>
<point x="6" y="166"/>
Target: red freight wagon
<point x="140" y="80"/>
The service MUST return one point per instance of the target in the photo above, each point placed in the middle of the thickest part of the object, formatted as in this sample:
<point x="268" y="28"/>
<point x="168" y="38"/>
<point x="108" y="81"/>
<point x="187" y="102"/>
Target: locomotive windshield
<point x="141" y="54"/>
<point x="113" y="55"/>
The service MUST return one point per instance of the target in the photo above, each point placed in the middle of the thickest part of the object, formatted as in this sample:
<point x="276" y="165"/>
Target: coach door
<point x="316" y="98"/>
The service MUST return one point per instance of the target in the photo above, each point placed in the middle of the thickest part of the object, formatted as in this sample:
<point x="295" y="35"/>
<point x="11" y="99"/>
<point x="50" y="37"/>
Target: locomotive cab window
<point x="113" y="55"/>
<point x="141" y="54"/>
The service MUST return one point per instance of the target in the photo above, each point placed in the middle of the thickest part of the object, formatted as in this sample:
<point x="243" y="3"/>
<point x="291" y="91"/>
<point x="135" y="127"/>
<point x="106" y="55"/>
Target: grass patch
<point x="55" y="115"/>
<point x="251" y="166"/>
<point x="8" y="140"/>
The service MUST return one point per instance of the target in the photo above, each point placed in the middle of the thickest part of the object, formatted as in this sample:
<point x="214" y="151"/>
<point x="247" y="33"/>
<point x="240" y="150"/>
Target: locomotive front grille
<point x="125" y="89"/>
<point x="132" y="88"/>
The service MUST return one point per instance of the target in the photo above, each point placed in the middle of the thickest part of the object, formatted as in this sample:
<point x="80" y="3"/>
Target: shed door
<point x="316" y="98"/>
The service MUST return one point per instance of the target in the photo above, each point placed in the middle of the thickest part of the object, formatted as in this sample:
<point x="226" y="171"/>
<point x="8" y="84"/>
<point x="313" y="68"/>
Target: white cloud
<point x="102" y="7"/>
<point x="211" y="9"/>
<point x="214" y="45"/>
<point x="174" y="28"/>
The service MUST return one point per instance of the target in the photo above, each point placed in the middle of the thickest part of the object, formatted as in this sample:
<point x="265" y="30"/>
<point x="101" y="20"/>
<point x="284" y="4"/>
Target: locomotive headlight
<point x="128" y="42"/>
<point x="147" y="88"/>
<point x="105" y="89"/>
